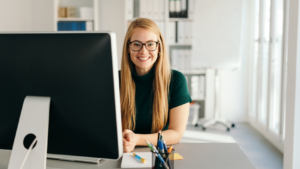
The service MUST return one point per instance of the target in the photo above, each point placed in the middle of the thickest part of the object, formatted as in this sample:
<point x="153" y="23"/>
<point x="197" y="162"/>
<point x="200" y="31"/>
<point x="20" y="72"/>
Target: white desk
<point x="195" y="156"/>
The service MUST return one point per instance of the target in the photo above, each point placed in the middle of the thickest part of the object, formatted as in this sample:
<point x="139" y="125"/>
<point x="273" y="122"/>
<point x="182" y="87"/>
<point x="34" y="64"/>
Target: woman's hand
<point x="129" y="141"/>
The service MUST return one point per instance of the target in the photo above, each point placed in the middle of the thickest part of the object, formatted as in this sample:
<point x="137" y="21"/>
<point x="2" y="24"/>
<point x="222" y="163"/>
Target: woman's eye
<point x="150" y="44"/>
<point x="137" y="44"/>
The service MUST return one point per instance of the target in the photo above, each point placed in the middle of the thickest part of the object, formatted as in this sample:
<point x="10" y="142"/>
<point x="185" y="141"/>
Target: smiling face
<point x="143" y="59"/>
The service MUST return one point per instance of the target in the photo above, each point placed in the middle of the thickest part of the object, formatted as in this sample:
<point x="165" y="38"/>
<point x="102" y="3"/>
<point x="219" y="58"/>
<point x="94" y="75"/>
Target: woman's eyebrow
<point x="142" y="42"/>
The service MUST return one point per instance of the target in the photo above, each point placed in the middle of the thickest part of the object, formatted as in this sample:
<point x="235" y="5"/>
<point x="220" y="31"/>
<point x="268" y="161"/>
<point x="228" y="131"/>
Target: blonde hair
<point x="161" y="81"/>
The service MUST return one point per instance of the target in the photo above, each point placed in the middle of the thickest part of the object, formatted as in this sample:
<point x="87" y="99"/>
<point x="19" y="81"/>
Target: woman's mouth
<point x="143" y="58"/>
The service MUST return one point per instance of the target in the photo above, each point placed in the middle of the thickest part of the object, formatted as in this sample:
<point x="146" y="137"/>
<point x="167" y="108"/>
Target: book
<point x="74" y="26"/>
<point x="129" y="161"/>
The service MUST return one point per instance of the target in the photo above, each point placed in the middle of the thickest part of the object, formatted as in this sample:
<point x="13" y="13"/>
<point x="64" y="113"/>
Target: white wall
<point x="10" y="15"/>
<point x="112" y="18"/>
<point x="221" y="30"/>
<point x="26" y="15"/>
<point x="234" y="85"/>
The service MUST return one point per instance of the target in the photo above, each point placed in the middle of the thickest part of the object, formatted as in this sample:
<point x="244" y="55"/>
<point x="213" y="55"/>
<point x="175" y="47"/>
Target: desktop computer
<point x="77" y="74"/>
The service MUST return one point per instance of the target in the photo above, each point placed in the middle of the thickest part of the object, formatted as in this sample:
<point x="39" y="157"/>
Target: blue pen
<point x="159" y="157"/>
<point x="161" y="148"/>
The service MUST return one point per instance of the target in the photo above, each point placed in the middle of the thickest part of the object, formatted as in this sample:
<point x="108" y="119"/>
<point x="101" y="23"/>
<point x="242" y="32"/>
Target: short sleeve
<point x="179" y="93"/>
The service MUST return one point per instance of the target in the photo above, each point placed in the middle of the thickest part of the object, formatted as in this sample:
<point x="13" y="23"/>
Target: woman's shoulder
<point x="177" y="75"/>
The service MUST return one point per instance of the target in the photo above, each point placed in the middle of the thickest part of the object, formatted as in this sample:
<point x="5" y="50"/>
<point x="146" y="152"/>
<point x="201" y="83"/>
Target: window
<point x="267" y="77"/>
<point x="276" y="67"/>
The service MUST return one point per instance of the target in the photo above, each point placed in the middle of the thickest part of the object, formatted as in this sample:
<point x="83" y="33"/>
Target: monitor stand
<point x="34" y="120"/>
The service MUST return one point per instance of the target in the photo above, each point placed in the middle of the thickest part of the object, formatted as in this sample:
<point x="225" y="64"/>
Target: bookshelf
<point x="91" y="22"/>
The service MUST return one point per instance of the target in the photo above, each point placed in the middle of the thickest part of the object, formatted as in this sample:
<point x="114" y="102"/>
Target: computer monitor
<point x="78" y="71"/>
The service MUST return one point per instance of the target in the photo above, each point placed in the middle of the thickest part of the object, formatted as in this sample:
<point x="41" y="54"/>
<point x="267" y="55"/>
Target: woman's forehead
<point x="143" y="35"/>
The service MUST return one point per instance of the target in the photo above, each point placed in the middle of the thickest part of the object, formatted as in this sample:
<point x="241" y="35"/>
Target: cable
<point x="30" y="148"/>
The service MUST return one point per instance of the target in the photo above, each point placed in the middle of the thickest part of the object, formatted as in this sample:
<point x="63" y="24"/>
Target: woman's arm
<point x="177" y="123"/>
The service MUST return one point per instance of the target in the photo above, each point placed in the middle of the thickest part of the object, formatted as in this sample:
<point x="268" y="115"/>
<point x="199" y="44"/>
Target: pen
<point x="167" y="158"/>
<point x="170" y="149"/>
<point x="139" y="158"/>
<point x="158" y="137"/>
<point x="149" y="145"/>
<point x="161" y="148"/>
<point x="160" y="158"/>
<point x="165" y="147"/>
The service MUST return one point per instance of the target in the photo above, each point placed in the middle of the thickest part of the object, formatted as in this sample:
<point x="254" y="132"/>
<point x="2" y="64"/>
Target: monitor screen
<point x="78" y="71"/>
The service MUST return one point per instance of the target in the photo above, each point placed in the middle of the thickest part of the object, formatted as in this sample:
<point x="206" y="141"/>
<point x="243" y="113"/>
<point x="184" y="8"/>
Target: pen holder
<point x="156" y="163"/>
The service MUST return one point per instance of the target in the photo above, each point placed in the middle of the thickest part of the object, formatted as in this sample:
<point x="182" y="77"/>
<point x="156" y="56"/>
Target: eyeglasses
<point x="137" y="46"/>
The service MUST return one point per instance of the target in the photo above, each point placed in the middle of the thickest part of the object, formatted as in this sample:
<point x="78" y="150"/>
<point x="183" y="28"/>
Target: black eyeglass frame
<point x="143" y="45"/>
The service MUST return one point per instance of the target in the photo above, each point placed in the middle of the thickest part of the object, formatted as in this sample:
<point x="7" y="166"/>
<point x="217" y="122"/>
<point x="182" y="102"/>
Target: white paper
<point x="129" y="161"/>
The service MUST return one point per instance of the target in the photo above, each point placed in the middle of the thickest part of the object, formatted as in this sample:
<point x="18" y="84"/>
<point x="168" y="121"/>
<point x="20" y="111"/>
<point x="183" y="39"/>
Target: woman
<point x="153" y="97"/>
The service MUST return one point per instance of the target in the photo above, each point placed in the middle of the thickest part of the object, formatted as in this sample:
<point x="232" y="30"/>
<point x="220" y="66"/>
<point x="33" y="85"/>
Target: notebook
<point x="129" y="161"/>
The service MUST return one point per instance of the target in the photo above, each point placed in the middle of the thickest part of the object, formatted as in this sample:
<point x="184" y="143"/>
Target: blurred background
<point x="231" y="52"/>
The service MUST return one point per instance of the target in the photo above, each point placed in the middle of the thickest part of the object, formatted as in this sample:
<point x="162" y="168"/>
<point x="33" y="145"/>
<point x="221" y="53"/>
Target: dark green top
<point x="178" y="95"/>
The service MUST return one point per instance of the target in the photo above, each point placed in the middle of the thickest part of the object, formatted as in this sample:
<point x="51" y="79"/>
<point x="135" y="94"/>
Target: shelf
<point x="198" y="99"/>
<point x="193" y="72"/>
<point x="180" y="44"/>
<point x="74" y="19"/>
<point x="155" y="20"/>
<point x="179" y="19"/>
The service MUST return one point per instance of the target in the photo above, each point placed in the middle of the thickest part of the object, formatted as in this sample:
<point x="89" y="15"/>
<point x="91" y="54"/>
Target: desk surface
<point x="195" y="155"/>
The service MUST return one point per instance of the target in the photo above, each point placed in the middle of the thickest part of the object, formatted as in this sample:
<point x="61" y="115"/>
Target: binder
<point x="202" y="87"/>
<point x="155" y="9"/>
<point x="181" y="32"/>
<point x="161" y="26"/>
<point x="172" y="8"/>
<point x="177" y="8"/>
<point x="143" y="12"/>
<point x="191" y="7"/>
<point x="181" y="65"/>
<point x="171" y="32"/>
<point x="188" y="33"/>
<point x="149" y="9"/>
<point x="129" y="9"/>
<point x="174" y="59"/>
<point x="183" y="9"/>
<point x="161" y="7"/>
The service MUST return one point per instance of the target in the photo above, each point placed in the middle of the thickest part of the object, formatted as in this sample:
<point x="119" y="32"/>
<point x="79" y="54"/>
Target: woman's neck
<point x="141" y="72"/>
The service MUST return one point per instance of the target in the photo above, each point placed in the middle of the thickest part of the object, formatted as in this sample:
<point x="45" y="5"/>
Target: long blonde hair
<point x="161" y="81"/>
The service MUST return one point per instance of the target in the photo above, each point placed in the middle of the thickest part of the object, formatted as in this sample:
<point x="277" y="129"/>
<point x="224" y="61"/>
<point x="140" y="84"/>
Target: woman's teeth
<point x="143" y="58"/>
